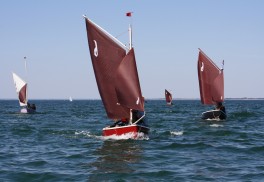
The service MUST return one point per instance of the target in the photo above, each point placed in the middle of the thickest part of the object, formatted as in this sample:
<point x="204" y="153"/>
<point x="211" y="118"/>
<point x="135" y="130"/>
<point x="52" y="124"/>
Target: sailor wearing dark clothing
<point x="122" y="122"/>
<point x="31" y="106"/>
<point x="136" y="115"/>
<point x="221" y="107"/>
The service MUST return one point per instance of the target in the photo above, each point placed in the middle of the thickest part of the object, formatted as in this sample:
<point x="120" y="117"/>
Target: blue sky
<point x="166" y="37"/>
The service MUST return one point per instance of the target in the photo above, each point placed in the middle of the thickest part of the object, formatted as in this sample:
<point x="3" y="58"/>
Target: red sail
<point x="22" y="95"/>
<point x="127" y="83"/>
<point x="168" y="96"/>
<point x="211" y="80"/>
<point x="106" y="55"/>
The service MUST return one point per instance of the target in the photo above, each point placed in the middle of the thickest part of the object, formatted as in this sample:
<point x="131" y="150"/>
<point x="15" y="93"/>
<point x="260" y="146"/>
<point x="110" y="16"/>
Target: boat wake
<point x="131" y="135"/>
<point x="216" y="125"/>
<point x="87" y="134"/>
<point x="177" y="133"/>
<point x="214" y="119"/>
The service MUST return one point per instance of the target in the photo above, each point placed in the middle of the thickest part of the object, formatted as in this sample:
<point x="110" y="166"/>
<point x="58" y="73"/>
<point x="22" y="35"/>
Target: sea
<point x="63" y="142"/>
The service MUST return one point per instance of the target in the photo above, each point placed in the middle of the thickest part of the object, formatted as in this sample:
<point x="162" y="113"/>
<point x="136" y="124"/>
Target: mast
<point x="25" y="58"/>
<point x="129" y="14"/>
<point x="130" y="36"/>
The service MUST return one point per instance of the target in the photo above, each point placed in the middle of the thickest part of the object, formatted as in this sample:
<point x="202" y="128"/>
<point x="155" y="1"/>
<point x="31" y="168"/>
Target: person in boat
<point x="31" y="106"/>
<point x="28" y="105"/>
<point x="221" y="107"/>
<point x="122" y="122"/>
<point x="136" y="115"/>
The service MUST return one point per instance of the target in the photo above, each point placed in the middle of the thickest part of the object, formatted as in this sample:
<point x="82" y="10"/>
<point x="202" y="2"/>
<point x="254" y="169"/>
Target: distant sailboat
<point x="168" y="97"/>
<point x="118" y="83"/>
<point x="70" y="99"/>
<point x="21" y="89"/>
<point x="211" y="82"/>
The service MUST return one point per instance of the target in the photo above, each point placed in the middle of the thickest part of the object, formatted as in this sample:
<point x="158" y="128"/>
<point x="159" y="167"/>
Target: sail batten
<point x="211" y="80"/>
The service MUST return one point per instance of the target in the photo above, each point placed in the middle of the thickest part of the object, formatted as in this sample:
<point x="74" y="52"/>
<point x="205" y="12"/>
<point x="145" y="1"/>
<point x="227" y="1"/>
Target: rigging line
<point x="121" y="34"/>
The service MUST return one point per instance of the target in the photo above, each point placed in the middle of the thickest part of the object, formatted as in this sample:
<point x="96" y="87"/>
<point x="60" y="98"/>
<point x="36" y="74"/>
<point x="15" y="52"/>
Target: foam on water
<point x="177" y="133"/>
<point x="130" y="135"/>
<point x="217" y="125"/>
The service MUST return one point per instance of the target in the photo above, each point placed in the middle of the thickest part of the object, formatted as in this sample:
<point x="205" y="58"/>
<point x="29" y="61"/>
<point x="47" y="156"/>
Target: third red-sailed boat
<point x="117" y="79"/>
<point x="168" y="97"/>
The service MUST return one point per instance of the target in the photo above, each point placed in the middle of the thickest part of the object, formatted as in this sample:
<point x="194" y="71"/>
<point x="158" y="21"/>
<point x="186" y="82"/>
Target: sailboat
<point x="117" y="79"/>
<point x="70" y="99"/>
<point x="168" y="97"/>
<point x="21" y="89"/>
<point x="211" y="82"/>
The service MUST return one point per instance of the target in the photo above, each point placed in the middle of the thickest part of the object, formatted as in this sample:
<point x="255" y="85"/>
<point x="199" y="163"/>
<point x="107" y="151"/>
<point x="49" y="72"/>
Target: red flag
<point x="129" y="14"/>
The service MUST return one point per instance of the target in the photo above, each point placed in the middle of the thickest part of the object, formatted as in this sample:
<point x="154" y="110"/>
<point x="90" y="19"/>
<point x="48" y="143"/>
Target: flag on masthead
<point x="129" y="13"/>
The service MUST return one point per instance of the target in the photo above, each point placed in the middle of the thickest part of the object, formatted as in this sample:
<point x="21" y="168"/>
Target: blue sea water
<point x="63" y="142"/>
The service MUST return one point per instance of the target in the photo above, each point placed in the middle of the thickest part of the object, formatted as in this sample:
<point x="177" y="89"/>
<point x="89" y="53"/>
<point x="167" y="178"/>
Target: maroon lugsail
<point x="168" y="96"/>
<point x="106" y="55"/>
<point x="127" y="83"/>
<point x="115" y="72"/>
<point x="211" y="80"/>
<point x="22" y="95"/>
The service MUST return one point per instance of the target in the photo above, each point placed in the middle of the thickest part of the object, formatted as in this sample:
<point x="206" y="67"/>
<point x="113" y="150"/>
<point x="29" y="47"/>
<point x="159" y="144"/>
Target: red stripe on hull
<point x="121" y="130"/>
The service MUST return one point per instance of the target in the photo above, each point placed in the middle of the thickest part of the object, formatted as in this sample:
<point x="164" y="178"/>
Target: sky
<point x="166" y="38"/>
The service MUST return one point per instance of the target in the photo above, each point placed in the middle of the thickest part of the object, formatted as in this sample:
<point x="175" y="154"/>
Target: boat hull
<point x="27" y="111"/>
<point x="121" y="130"/>
<point x="214" y="115"/>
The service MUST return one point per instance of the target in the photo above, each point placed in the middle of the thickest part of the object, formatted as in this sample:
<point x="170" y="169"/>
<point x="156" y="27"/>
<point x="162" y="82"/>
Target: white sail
<point x="21" y="89"/>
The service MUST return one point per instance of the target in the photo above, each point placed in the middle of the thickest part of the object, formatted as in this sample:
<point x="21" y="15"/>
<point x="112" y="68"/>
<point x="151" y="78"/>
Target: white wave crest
<point x="216" y="125"/>
<point x="130" y="135"/>
<point x="88" y="134"/>
<point x="177" y="133"/>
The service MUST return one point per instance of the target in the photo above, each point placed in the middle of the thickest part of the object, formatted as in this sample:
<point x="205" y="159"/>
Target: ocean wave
<point x="177" y="133"/>
<point x="130" y="135"/>
<point x="217" y="125"/>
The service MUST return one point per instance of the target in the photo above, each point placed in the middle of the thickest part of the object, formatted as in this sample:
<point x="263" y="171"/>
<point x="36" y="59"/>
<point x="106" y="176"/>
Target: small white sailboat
<point x="21" y="89"/>
<point x="70" y="99"/>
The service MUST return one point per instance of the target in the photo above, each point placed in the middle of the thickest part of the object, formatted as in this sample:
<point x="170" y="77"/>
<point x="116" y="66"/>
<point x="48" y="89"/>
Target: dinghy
<point x="168" y="97"/>
<point x="211" y="83"/>
<point x="117" y="79"/>
<point x="21" y="89"/>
